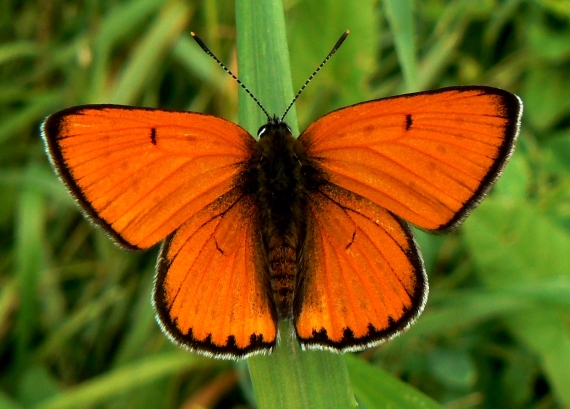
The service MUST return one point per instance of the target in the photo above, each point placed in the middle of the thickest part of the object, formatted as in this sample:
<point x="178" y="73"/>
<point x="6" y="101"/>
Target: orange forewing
<point x="210" y="291"/>
<point x="364" y="280"/>
<point x="427" y="157"/>
<point x="141" y="173"/>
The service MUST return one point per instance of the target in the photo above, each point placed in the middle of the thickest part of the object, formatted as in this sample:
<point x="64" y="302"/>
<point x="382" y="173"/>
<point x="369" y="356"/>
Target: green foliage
<point x="76" y="325"/>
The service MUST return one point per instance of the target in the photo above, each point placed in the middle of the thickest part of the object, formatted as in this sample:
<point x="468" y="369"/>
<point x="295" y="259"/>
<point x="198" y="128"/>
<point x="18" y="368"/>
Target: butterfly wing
<point x="145" y="174"/>
<point x="428" y="157"/>
<point x="141" y="173"/>
<point x="211" y="292"/>
<point x="363" y="278"/>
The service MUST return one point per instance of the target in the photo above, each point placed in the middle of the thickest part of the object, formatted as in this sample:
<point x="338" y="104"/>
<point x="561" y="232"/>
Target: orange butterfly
<point x="309" y="229"/>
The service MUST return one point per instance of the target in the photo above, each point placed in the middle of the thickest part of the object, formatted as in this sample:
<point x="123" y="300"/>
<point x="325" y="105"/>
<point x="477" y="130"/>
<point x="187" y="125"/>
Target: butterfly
<point x="312" y="229"/>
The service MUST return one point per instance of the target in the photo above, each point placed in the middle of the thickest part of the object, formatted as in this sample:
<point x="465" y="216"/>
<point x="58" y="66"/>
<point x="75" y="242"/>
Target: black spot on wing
<point x="408" y="122"/>
<point x="218" y="247"/>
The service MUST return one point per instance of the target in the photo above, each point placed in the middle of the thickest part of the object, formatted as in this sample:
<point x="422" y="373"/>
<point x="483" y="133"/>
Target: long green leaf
<point x="400" y="15"/>
<point x="167" y="27"/>
<point x="289" y="378"/>
<point x="122" y="380"/>
<point x="377" y="389"/>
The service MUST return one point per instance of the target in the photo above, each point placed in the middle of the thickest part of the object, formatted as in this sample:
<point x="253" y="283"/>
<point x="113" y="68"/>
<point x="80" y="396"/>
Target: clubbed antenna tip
<point x="204" y="47"/>
<point x="329" y="55"/>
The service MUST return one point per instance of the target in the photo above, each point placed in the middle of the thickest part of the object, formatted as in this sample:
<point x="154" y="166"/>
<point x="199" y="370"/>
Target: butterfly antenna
<point x="204" y="47"/>
<point x="330" y="54"/>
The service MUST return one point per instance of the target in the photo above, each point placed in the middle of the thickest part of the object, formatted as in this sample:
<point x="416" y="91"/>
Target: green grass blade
<point x="19" y="49"/>
<point x="122" y="21"/>
<point x="400" y="15"/>
<point x="30" y="260"/>
<point x="289" y="378"/>
<point x="169" y="25"/>
<point x="377" y="389"/>
<point x="263" y="61"/>
<point x="121" y="380"/>
<point x="292" y="378"/>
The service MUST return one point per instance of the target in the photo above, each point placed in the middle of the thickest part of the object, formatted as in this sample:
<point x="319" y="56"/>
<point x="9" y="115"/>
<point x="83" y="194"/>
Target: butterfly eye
<point x="262" y="132"/>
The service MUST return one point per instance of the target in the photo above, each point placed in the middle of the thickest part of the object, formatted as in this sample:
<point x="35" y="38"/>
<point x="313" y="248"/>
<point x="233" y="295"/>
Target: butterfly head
<point x="274" y="125"/>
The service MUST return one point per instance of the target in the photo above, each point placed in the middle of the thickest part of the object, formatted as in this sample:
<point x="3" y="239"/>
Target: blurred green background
<point x="76" y="325"/>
